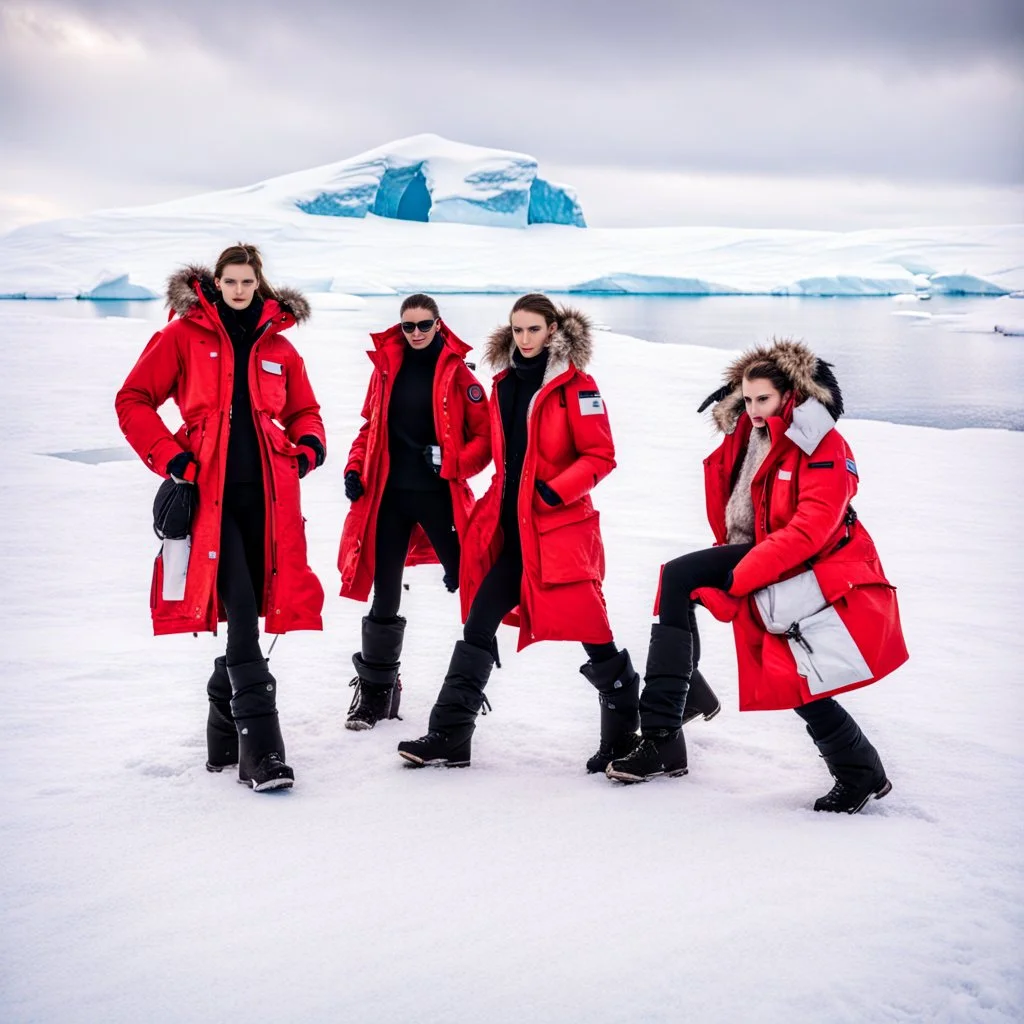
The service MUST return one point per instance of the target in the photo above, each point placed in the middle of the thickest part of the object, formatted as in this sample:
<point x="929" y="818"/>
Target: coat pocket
<point x="825" y="652"/>
<point x="570" y="546"/>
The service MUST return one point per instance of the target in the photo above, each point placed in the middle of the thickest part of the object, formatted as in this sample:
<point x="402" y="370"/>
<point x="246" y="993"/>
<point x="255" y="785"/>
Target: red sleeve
<point x="152" y="380"/>
<point x="357" y="453"/>
<point x="823" y="498"/>
<point x="301" y="412"/>
<point x="592" y="437"/>
<point x="475" y="453"/>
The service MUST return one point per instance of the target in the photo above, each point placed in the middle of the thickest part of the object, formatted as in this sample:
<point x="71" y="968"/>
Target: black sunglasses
<point x="422" y="326"/>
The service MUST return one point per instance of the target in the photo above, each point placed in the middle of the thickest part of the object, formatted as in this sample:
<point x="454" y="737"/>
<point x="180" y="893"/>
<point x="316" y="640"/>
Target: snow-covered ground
<point x="138" y="887"/>
<point x="332" y="229"/>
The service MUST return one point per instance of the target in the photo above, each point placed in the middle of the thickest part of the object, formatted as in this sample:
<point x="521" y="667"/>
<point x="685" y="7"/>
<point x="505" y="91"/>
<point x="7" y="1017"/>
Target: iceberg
<point x="426" y="213"/>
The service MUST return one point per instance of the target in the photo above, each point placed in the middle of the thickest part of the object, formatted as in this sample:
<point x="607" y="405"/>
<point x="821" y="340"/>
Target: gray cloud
<point x="197" y="95"/>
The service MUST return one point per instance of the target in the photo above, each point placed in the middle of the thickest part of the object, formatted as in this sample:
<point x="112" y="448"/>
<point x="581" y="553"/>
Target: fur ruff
<point x="812" y="378"/>
<point x="572" y="342"/>
<point x="182" y="298"/>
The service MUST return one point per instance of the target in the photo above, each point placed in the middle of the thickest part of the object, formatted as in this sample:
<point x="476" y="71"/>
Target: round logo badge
<point x="475" y="393"/>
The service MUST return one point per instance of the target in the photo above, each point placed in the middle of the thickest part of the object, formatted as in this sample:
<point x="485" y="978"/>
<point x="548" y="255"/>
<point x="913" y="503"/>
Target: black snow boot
<point x="659" y="752"/>
<point x="618" y="691"/>
<point x="378" y="689"/>
<point x="221" y="734"/>
<point x="261" y="761"/>
<point x="856" y="767"/>
<point x="701" y="701"/>
<point x="453" y="717"/>
<point x="667" y="678"/>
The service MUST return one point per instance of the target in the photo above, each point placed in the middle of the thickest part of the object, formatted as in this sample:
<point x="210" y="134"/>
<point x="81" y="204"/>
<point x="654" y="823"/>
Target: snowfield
<point x="138" y="887"/>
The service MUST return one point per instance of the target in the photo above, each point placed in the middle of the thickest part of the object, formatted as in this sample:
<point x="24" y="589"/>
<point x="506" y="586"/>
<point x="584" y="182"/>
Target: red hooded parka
<point x="192" y="361"/>
<point x="569" y="447"/>
<point x="801" y="496"/>
<point x="463" y="433"/>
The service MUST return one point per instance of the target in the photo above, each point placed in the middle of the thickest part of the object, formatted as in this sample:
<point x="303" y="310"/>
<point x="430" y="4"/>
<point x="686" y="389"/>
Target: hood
<point x="812" y="379"/>
<point x="572" y="342"/>
<point x="183" y="300"/>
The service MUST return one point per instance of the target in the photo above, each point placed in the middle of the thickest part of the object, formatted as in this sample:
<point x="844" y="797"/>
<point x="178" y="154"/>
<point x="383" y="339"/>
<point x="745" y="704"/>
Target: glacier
<point x="425" y="213"/>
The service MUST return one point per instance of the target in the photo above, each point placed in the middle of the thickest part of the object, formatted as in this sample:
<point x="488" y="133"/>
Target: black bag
<point x="173" y="509"/>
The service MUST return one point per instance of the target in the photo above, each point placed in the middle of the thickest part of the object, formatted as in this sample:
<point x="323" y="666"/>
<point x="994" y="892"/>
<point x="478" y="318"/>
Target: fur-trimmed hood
<point x="182" y="298"/>
<point x="812" y="378"/>
<point x="572" y="342"/>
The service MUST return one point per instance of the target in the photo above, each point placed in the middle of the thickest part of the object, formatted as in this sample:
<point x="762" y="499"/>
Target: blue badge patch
<point x="852" y="467"/>
<point x="475" y="393"/>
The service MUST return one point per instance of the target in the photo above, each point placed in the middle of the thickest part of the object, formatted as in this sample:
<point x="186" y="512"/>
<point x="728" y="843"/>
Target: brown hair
<point x="537" y="303"/>
<point x="244" y="255"/>
<point x="765" y="369"/>
<point x="420" y="301"/>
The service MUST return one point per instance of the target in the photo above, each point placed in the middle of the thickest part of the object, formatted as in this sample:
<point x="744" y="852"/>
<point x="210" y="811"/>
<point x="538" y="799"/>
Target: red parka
<point x="801" y="496"/>
<point x="569" y="446"/>
<point x="192" y="361"/>
<point x="463" y="433"/>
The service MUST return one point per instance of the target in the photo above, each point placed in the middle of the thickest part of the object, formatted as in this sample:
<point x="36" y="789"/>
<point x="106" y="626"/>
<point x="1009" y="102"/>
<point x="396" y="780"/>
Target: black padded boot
<point x="659" y="752"/>
<point x="618" y="691"/>
<point x="453" y="717"/>
<point x="667" y="678"/>
<point x="701" y="701"/>
<point x="261" y="762"/>
<point x="378" y="689"/>
<point x="856" y="767"/>
<point x="221" y="734"/>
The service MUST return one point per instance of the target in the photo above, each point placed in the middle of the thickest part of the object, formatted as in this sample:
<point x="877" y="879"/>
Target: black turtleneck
<point x="411" y="419"/>
<point x="514" y="394"/>
<point x="244" y="465"/>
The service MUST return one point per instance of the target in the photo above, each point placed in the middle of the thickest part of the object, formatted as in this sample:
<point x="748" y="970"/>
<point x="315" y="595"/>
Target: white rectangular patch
<point x="271" y="367"/>
<point x="785" y="474"/>
<point x="213" y="355"/>
<point x="591" y="403"/>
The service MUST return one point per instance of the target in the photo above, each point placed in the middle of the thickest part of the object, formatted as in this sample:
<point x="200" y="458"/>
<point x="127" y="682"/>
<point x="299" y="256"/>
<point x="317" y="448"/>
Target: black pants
<point x="400" y="511"/>
<point x="499" y="594"/>
<point x="241" y="569"/>
<point x="710" y="568"/>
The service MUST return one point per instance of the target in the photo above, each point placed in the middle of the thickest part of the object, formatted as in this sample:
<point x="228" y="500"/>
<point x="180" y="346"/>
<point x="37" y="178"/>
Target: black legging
<point x="400" y="511"/>
<point x="499" y="594"/>
<point x="240" y="572"/>
<point x="710" y="567"/>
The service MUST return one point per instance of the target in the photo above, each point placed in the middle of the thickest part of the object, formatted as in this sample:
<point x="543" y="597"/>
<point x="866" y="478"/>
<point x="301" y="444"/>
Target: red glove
<point x="723" y="606"/>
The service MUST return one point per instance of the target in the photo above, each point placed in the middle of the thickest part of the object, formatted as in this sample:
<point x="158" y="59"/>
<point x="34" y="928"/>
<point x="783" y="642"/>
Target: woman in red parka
<point x="533" y="555"/>
<point x="251" y="430"/>
<point x="794" y="570"/>
<point x="426" y="431"/>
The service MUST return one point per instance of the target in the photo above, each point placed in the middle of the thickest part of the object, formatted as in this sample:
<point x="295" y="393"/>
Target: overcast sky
<point x="756" y="112"/>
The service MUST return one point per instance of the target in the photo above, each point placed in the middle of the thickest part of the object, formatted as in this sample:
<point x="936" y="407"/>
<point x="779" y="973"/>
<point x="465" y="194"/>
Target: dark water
<point x="928" y="371"/>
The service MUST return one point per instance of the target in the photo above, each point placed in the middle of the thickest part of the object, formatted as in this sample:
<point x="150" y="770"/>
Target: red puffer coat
<point x="463" y="433"/>
<point x="801" y="497"/>
<point x="192" y="361"/>
<point x="569" y="447"/>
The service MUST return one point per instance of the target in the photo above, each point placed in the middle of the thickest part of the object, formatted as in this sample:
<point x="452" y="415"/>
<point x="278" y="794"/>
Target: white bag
<point x="824" y="652"/>
<point x="175" y="558"/>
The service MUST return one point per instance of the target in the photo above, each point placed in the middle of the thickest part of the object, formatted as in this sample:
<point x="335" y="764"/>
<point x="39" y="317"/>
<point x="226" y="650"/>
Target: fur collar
<point x="812" y="378"/>
<point x="572" y="343"/>
<point x="182" y="297"/>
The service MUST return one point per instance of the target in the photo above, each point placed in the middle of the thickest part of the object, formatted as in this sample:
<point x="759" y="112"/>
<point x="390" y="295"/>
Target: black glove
<point x="178" y="468"/>
<point x="451" y="583"/>
<point x="312" y="442"/>
<point x="353" y="485"/>
<point x="432" y="455"/>
<point x="547" y="494"/>
<point x="303" y="460"/>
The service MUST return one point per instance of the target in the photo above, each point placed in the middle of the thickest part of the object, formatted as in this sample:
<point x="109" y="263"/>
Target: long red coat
<point x="569" y="447"/>
<point x="801" y="495"/>
<point x="463" y="433"/>
<point x="192" y="361"/>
